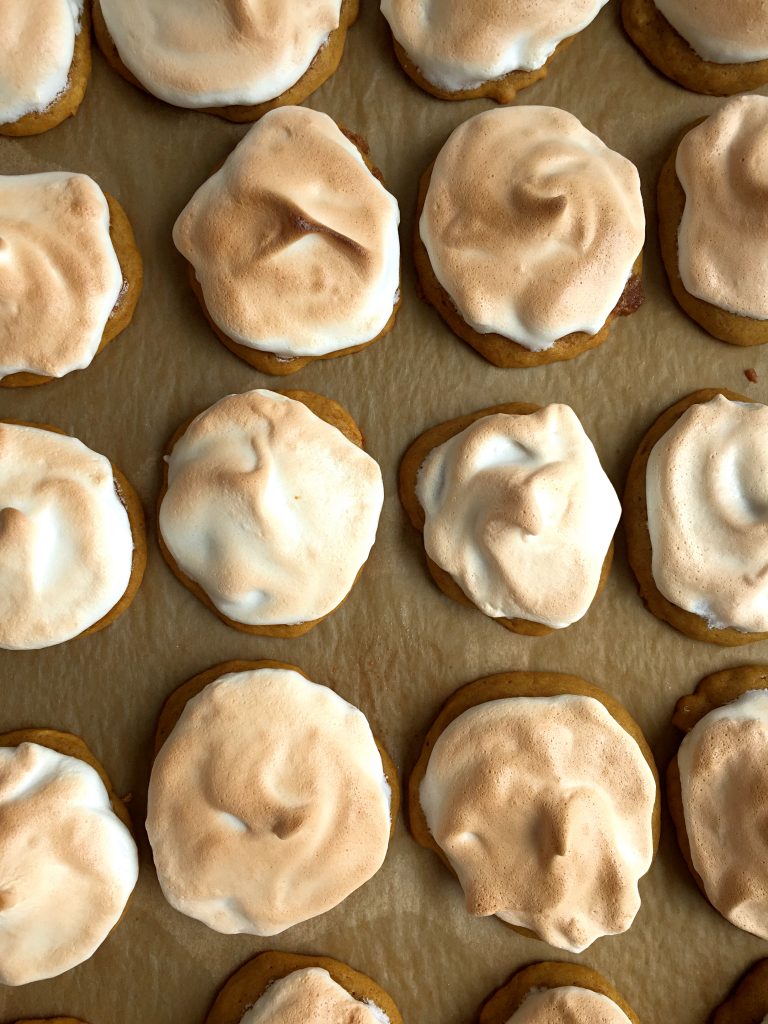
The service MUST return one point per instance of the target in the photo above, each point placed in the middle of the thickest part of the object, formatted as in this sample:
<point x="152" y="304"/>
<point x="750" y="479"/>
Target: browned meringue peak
<point x="532" y="224"/>
<point x="294" y="241"/>
<point x="311" y="996"/>
<point x="59" y="275"/>
<point x="732" y="33"/>
<point x="568" y="1004"/>
<point x="543" y="806"/>
<point x="722" y="165"/>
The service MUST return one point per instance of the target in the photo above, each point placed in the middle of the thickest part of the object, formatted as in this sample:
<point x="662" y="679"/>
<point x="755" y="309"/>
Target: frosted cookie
<point x="748" y="1003"/>
<point x="713" y="221"/>
<point x="703" y="45"/>
<point x="457" y="50"/>
<point x="237" y="60"/>
<point x="557" y="993"/>
<point x="270" y="800"/>
<point x="540" y="793"/>
<point x="717" y="787"/>
<point x="269" y="509"/>
<point x="695" y="518"/>
<point x="529" y="236"/>
<point x="517" y="514"/>
<point x="68" y="862"/>
<point x="293" y="245"/>
<point x="280" y="988"/>
<point x="45" y="63"/>
<point x="72" y="538"/>
<point x="70" y="274"/>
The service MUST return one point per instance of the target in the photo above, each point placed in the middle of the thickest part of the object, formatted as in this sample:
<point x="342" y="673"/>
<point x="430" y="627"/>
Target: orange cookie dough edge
<point x="248" y="984"/>
<point x="132" y="268"/>
<point x="66" y="103"/>
<point x="409" y="470"/>
<point x="666" y="49"/>
<point x="282" y="366"/>
<point x="502" y="89"/>
<point x="549" y="974"/>
<point x="748" y="1003"/>
<point x="720" y="323"/>
<point x="325" y="409"/>
<point x="130" y="501"/>
<point x="639" y="549"/>
<point x="324" y="63"/>
<point x="178" y="700"/>
<point x="496" y="348"/>
<point x="517" y="684"/>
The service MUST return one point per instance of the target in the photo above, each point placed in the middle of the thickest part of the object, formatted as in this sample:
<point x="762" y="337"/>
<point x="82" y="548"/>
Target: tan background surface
<point x="398" y="647"/>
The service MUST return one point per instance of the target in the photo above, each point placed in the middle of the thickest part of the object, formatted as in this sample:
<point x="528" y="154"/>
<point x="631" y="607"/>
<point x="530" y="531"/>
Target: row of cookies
<point x="242" y="62"/>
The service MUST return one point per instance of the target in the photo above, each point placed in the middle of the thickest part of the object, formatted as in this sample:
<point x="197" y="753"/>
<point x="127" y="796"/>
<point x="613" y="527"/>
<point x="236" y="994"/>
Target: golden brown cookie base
<point x="510" y="997"/>
<point x="748" y="1003"/>
<point x="496" y="348"/>
<point x="720" y="323"/>
<point x="666" y="49"/>
<point x="65" y="105"/>
<point x="409" y="471"/>
<point x="639" y="547"/>
<point x="129" y="499"/>
<point x="178" y="700"/>
<point x="132" y="268"/>
<point x="251" y="982"/>
<point x="282" y="366"/>
<point x="325" y="62"/>
<point x="517" y="684"/>
<point x="502" y="90"/>
<point x="324" y="408"/>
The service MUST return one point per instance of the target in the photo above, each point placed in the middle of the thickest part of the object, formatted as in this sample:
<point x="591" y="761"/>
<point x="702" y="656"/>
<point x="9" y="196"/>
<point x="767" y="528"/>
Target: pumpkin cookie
<point x="529" y="257"/>
<point x="748" y="1003"/>
<point x="693" y="519"/>
<point x="550" y="865"/>
<point x="517" y="514"/>
<point x="238" y="62"/>
<point x="270" y="800"/>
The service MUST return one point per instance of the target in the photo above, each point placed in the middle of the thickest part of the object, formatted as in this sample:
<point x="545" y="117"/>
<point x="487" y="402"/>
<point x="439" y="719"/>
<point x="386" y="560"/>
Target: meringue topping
<point x="294" y="241"/>
<point x="37" y="46"/>
<point x="67" y="863"/>
<point x="458" y="46"/>
<point x="736" y="34"/>
<point x="521" y="514"/>
<point x="532" y="224"/>
<point x="568" y="1004"/>
<point x="722" y="242"/>
<point x="66" y="547"/>
<point x="268" y="803"/>
<point x="707" y="502"/>
<point x="59" y="274"/>
<point x="218" y="53"/>
<point x="271" y="510"/>
<point x="543" y="806"/>
<point x="724" y="783"/>
<point x="311" y="996"/>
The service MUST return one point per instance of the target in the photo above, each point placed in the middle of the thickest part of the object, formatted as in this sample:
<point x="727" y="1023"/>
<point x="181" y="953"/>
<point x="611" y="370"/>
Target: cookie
<point x="748" y="1003"/>
<point x="497" y="510"/>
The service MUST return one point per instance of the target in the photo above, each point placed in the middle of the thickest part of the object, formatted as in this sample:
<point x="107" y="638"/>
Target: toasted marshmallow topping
<point x="722" y="243"/>
<point x="270" y="509"/>
<point x="543" y="806"/>
<point x="37" y="44"/>
<point x="732" y="34"/>
<point x="67" y="863"/>
<point x="723" y="765"/>
<point x="521" y="514"/>
<point x="65" y="538"/>
<point x="294" y="242"/>
<point x="457" y="45"/>
<point x="216" y="53"/>
<point x="311" y="996"/>
<point x="59" y="275"/>
<point x="707" y="495"/>
<point x="568" y="1004"/>
<point x="532" y="224"/>
<point x="268" y="803"/>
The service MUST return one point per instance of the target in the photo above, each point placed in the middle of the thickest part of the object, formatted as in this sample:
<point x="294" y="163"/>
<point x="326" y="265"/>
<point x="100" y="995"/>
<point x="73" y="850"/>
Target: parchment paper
<point x="398" y="647"/>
